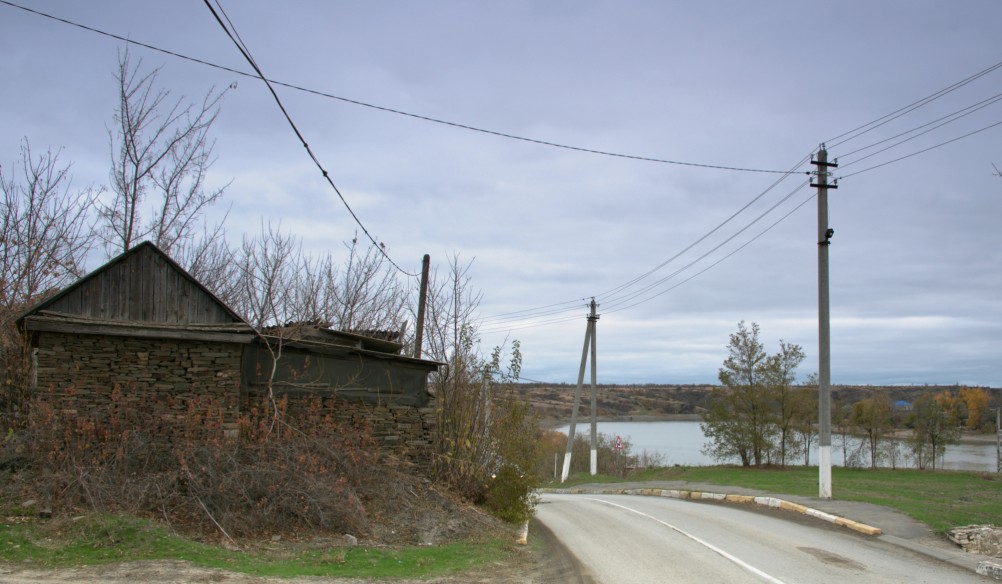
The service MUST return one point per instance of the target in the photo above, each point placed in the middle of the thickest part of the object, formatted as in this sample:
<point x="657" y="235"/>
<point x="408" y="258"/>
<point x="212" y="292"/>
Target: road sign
<point x="619" y="443"/>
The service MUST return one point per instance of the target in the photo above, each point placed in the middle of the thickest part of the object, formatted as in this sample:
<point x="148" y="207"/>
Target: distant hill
<point x="553" y="402"/>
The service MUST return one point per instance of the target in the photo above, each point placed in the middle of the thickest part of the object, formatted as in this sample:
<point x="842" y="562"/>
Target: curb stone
<point x="990" y="569"/>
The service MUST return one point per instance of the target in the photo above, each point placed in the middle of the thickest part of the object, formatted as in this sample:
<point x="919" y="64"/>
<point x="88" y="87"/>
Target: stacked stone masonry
<point x="78" y="373"/>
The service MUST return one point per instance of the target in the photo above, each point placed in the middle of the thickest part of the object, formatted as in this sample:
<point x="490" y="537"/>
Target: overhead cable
<point x="916" y="153"/>
<point x="855" y="133"/>
<point x="870" y="126"/>
<point x="459" y="125"/>
<point x="754" y="200"/>
<point x="608" y="305"/>
<point x="947" y="119"/>
<point x="246" y="54"/>
<point x="719" y="261"/>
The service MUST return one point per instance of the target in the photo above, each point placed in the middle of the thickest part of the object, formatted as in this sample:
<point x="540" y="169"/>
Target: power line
<point x="531" y="313"/>
<point x="606" y="295"/>
<point x="552" y="310"/>
<point x="610" y="305"/>
<point x="519" y="315"/>
<point x="856" y="132"/>
<point x="721" y="260"/>
<point x="531" y="324"/>
<point x="234" y="36"/>
<point x="950" y="141"/>
<point x="870" y="126"/>
<point x="386" y="109"/>
<point x="947" y="119"/>
<point x="613" y="308"/>
<point x="611" y="297"/>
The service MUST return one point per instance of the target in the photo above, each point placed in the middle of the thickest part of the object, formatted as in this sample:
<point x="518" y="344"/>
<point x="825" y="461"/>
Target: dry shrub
<point x="290" y="472"/>
<point x="14" y="372"/>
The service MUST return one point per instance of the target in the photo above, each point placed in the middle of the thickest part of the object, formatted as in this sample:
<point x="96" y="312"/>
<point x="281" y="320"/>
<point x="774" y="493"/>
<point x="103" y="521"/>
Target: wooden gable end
<point x="141" y="285"/>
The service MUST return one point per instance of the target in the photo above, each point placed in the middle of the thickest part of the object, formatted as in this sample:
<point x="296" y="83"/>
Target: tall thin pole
<point x="577" y="404"/>
<point x="422" y="300"/>
<point x="824" y="332"/>
<point x="592" y="322"/>
<point x="998" y="439"/>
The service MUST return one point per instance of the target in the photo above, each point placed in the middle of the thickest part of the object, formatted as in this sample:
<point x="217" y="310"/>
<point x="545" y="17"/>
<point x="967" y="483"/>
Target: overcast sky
<point x="916" y="263"/>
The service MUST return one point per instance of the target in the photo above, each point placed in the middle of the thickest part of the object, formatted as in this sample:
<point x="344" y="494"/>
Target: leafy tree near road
<point x="936" y="421"/>
<point x="805" y="405"/>
<point x="872" y="417"/>
<point x="780" y="373"/>
<point x="976" y="401"/>
<point x="745" y="417"/>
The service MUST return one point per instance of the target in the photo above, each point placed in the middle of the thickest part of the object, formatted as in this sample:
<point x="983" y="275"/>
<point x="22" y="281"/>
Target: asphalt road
<point x="621" y="539"/>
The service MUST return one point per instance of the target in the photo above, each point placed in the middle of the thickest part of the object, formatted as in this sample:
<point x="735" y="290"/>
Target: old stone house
<point x="141" y="325"/>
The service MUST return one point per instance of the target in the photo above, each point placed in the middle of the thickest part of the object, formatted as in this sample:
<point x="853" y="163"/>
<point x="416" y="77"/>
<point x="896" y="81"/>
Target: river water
<point x="681" y="443"/>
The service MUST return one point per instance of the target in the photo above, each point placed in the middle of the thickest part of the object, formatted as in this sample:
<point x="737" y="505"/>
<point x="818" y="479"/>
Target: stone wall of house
<point x="77" y="373"/>
<point x="401" y="430"/>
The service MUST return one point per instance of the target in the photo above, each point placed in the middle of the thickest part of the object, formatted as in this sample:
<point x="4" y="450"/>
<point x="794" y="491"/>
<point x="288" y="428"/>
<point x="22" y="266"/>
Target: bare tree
<point x="45" y="229"/>
<point x="483" y="426"/>
<point x="451" y="306"/>
<point x="268" y="267"/>
<point x="279" y="287"/>
<point x="161" y="155"/>
<point x="363" y="293"/>
<point x="45" y="234"/>
<point x="209" y="260"/>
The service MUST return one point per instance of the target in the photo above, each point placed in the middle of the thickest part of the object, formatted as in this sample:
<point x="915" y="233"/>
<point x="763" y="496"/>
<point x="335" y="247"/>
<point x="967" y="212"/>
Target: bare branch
<point x="45" y="228"/>
<point x="161" y="156"/>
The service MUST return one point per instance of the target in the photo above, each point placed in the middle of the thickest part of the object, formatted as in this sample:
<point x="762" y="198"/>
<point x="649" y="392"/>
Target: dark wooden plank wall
<point x="353" y="377"/>
<point x="143" y="287"/>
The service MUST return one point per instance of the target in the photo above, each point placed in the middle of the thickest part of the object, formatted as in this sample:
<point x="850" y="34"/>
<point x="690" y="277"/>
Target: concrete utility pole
<point x="592" y="320"/>
<point x="824" y="334"/>
<point x="589" y="341"/>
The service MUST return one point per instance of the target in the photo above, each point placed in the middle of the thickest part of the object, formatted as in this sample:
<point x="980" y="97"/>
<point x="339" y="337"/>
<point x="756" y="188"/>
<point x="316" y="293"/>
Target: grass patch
<point x="100" y="539"/>
<point x="940" y="499"/>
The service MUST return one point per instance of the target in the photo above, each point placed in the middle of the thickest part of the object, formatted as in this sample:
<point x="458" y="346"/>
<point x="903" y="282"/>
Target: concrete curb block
<point x="990" y="569"/>
<point x="744" y="499"/>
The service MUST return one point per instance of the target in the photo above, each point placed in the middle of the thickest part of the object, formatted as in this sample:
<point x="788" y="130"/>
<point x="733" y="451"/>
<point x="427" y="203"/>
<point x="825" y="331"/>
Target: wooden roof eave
<point x="227" y="333"/>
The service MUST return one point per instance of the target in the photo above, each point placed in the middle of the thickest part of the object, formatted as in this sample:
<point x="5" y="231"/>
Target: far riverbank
<point x="966" y="437"/>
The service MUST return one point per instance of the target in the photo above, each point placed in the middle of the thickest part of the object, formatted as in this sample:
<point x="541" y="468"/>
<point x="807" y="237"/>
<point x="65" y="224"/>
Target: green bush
<point x="511" y="494"/>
